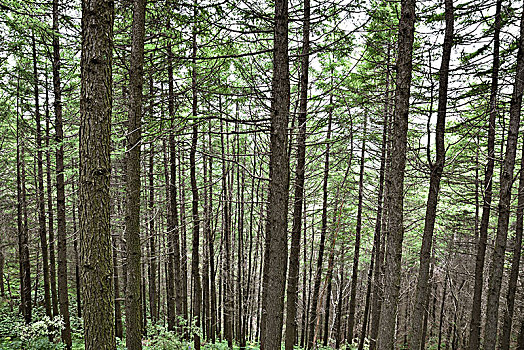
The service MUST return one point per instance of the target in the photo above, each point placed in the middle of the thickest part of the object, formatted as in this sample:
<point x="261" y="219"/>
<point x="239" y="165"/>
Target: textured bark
<point x="195" y="256"/>
<point x="211" y="248"/>
<point x="395" y="180"/>
<point x="506" y="182"/>
<point x="276" y="226"/>
<point x="422" y="289"/>
<point x="132" y="219"/>
<point x="95" y="170"/>
<point x="40" y="188"/>
<point x="153" y="266"/>
<point x="318" y="270"/>
<point x="23" y="237"/>
<point x="175" y="285"/>
<point x="515" y="265"/>
<point x="226" y="253"/>
<point x="294" y="264"/>
<point x="52" y="260"/>
<point x="474" y="327"/>
<point x="63" y="297"/>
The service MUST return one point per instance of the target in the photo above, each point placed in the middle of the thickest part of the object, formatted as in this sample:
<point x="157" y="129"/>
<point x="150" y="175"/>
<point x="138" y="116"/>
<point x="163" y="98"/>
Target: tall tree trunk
<point x="60" y="187"/>
<point x="356" y="255"/>
<point x="23" y="237"/>
<point x="211" y="248"/>
<point x="132" y="220"/>
<point x="395" y="180"/>
<point x="95" y="170"/>
<point x="276" y="229"/>
<point x="506" y="183"/>
<point x="153" y="295"/>
<point x="422" y="290"/>
<point x="318" y="270"/>
<point x="515" y="265"/>
<point x="294" y="264"/>
<point x="226" y="259"/>
<point x="52" y="260"/>
<point x="379" y="234"/>
<point x="40" y="188"/>
<point x="195" y="269"/>
<point x="474" y="327"/>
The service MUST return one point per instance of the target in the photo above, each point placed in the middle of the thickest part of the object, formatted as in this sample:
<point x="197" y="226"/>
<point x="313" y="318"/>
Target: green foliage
<point x="15" y="334"/>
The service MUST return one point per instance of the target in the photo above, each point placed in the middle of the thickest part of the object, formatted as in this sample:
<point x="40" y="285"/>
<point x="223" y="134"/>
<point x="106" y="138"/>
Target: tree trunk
<point x="40" y="188"/>
<point x="95" y="170"/>
<point x="379" y="236"/>
<point x="356" y="255"/>
<point x="318" y="270"/>
<point x="292" y="288"/>
<point x="52" y="260"/>
<point x="422" y="290"/>
<point x="395" y="180"/>
<point x="474" y="327"/>
<point x="132" y="218"/>
<point x="506" y="183"/>
<point x="23" y="237"/>
<point x="276" y="229"/>
<point x="195" y="269"/>
<point x="515" y="265"/>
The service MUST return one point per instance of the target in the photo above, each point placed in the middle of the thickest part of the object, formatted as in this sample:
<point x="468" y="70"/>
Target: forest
<point x="261" y="174"/>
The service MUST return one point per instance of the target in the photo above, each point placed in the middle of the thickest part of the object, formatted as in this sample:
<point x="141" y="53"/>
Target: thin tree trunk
<point x="195" y="269"/>
<point x="60" y="187"/>
<point x="23" y="239"/>
<point x="474" y="328"/>
<point x="515" y="265"/>
<point x="52" y="260"/>
<point x="40" y="188"/>
<point x="422" y="290"/>
<point x="95" y="170"/>
<point x="318" y="270"/>
<point x="379" y="235"/>
<point x="292" y="288"/>
<point x="506" y="183"/>
<point x="356" y="255"/>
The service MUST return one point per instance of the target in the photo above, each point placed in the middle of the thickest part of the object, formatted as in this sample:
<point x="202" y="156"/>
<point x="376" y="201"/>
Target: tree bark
<point x="23" y="237"/>
<point x="515" y="265"/>
<point x="132" y="220"/>
<point x="276" y="226"/>
<point x="63" y="297"/>
<point x="422" y="290"/>
<point x="292" y="288"/>
<point x="506" y="183"/>
<point x="40" y="188"/>
<point x="195" y="269"/>
<point x="95" y="170"/>
<point x="474" y="327"/>
<point x="395" y="180"/>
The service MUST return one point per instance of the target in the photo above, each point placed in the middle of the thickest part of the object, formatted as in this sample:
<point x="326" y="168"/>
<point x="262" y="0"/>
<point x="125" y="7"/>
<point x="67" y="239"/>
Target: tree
<point x="422" y="291"/>
<point x="133" y="247"/>
<point x="395" y="179"/>
<point x="95" y="170"/>
<point x="276" y="227"/>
